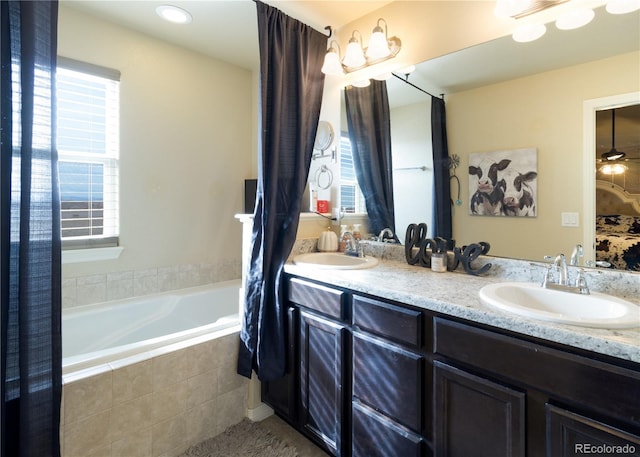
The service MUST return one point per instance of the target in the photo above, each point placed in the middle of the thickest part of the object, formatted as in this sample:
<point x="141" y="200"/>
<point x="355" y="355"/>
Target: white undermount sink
<point x="335" y="260"/>
<point x="531" y="300"/>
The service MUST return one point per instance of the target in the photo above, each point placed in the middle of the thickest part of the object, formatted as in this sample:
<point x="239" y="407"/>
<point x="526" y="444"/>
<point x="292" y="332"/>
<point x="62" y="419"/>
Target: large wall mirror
<point x="503" y="95"/>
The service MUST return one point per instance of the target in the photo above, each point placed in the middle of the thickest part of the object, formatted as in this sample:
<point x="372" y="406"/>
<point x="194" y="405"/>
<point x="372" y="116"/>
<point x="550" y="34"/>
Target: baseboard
<point x="259" y="413"/>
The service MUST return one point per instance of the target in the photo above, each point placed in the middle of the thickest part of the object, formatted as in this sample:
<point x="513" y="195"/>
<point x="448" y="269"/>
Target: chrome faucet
<point x="559" y="265"/>
<point x="353" y="247"/>
<point x="577" y="252"/>
<point x="385" y="232"/>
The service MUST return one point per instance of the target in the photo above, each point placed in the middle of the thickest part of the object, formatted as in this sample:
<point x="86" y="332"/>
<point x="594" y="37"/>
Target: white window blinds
<point x="351" y="198"/>
<point x="88" y="153"/>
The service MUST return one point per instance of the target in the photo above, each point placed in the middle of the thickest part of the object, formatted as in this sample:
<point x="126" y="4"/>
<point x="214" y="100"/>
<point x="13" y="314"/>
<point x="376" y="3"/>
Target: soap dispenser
<point x="328" y="241"/>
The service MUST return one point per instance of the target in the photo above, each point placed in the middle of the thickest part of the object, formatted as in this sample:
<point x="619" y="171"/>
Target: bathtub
<point x="96" y="335"/>
<point x="155" y="373"/>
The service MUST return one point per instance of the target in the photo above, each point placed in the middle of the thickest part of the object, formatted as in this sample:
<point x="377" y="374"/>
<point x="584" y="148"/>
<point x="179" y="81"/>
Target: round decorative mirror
<point x="324" y="136"/>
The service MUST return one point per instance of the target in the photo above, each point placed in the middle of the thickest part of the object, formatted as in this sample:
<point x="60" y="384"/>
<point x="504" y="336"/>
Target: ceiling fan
<point x="613" y="154"/>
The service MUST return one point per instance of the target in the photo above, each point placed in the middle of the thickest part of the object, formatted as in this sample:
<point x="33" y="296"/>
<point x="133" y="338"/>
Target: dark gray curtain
<point x="369" y="125"/>
<point x="442" y="225"/>
<point x="291" y="84"/>
<point x="30" y="232"/>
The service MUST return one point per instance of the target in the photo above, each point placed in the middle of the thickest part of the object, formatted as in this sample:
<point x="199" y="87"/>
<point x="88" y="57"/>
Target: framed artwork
<point x="503" y="183"/>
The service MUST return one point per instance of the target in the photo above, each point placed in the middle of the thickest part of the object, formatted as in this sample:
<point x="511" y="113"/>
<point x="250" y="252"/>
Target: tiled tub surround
<point x="155" y="406"/>
<point x="456" y="294"/>
<point x="86" y="290"/>
<point x="157" y="397"/>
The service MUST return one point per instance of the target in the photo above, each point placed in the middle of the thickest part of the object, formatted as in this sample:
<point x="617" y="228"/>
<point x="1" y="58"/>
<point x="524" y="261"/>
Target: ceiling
<point x="227" y="30"/>
<point x="223" y="29"/>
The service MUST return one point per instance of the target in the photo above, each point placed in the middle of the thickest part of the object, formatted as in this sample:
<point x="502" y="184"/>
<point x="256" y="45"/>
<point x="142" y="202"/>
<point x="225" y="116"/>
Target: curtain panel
<point x="369" y="124"/>
<point x="291" y="85"/>
<point x="31" y="349"/>
<point x="442" y="224"/>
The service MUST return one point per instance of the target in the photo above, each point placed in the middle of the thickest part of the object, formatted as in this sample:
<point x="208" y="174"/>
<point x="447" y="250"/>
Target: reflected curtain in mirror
<point x="368" y="122"/>
<point x="442" y="225"/>
<point x="31" y="347"/>
<point x="291" y="85"/>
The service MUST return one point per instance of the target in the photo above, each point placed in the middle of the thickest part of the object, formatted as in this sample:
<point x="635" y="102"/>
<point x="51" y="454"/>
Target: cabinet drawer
<point x="562" y="375"/>
<point x="391" y="321"/>
<point x="389" y="379"/>
<point x="569" y="434"/>
<point x="377" y="436"/>
<point x="320" y="298"/>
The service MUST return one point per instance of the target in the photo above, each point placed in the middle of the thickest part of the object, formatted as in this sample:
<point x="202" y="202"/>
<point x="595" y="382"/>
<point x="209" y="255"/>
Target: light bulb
<point x="575" y="19"/>
<point x="378" y="46"/>
<point x="529" y="32"/>
<point x="354" y="56"/>
<point x="332" y="65"/>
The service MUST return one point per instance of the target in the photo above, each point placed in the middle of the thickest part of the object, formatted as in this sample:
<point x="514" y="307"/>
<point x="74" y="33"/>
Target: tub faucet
<point x="353" y="247"/>
<point x="386" y="232"/>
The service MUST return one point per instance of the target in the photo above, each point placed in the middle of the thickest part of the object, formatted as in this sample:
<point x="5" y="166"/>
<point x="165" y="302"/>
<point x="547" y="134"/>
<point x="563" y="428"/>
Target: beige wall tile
<point x="87" y="397"/>
<point x="88" y="435"/>
<point x="132" y="415"/>
<point x="169" y="435"/>
<point x="170" y="402"/>
<point x="203" y="357"/>
<point x="202" y="422"/>
<point x="169" y="369"/>
<point x="136" y="444"/>
<point x="229" y="380"/>
<point x="202" y="388"/>
<point x="132" y="381"/>
<point x="232" y="408"/>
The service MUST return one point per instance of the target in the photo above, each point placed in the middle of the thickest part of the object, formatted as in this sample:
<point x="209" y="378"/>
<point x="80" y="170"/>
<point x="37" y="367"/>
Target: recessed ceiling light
<point x="173" y="14"/>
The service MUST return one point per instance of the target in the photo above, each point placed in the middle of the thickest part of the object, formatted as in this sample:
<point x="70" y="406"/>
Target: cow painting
<point x="517" y="192"/>
<point x="503" y="183"/>
<point x="487" y="199"/>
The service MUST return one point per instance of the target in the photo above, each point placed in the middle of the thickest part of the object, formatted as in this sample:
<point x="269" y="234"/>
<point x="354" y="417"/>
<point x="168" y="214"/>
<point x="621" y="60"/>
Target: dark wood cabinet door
<point x="281" y="394"/>
<point x="374" y="435"/>
<point x="475" y="416"/>
<point x="570" y="435"/>
<point x="389" y="379"/>
<point x="321" y="380"/>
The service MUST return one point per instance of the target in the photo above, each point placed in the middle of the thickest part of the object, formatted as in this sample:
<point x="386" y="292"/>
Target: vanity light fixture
<point x="622" y="6"/>
<point x="174" y="14"/>
<point x="381" y="48"/>
<point x="575" y="19"/>
<point x="567" y="14"/>
<point x="354" y="56"/>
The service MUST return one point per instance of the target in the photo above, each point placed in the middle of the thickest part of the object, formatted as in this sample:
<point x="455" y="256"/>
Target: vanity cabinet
<point x="373" y="377"/>
<point x="390" y="392"/>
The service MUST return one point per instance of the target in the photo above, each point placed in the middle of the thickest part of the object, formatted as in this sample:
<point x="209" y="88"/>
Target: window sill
<point x="91" y="255"/>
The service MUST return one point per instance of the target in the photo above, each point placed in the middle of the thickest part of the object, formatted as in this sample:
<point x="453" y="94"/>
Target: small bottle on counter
<point x="313" y="204"/>
<point x="356" y="232"/>
<point x="342" y="245"/>
<point x="439" y="262"/>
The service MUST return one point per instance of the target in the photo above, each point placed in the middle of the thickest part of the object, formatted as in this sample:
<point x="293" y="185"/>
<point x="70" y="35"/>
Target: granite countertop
<point x="456" y="294"/>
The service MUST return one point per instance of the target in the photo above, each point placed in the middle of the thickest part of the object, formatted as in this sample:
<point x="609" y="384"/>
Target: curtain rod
<point x="406" y="81"/>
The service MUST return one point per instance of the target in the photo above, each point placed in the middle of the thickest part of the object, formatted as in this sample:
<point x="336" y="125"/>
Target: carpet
<point x="246" y="439"/>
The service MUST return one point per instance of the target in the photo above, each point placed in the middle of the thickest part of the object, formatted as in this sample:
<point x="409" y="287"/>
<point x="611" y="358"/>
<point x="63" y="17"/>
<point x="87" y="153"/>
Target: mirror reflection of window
<point x="351" y="198"/>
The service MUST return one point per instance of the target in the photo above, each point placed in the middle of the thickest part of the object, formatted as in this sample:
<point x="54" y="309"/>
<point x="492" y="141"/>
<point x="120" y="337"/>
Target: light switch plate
<point x="570" y="219"/>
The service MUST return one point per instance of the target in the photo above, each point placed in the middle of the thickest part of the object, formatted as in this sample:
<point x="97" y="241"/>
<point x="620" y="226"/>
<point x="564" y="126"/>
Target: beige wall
<point x="544" y="111"/>
<point x="187" y="127"/>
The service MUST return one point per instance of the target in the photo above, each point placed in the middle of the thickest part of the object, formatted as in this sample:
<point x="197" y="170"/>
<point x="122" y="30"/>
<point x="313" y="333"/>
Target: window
<point x="351" y="198"/>
<point x="88" y="152"/>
